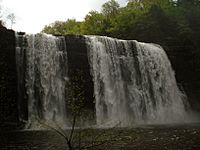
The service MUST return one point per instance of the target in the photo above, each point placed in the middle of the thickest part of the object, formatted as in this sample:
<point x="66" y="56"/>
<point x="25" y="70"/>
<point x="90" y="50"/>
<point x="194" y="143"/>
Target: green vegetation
<point x="71" y="26"/>
<point x="171" y="23"/>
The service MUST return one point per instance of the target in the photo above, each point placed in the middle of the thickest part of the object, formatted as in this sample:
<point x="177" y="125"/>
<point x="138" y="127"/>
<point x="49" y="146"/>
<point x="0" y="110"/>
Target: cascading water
<point x="45" y="77"/>
<point x="133" y="83"/>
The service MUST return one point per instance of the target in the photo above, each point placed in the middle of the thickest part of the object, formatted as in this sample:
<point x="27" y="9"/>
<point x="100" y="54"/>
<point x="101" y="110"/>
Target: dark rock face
<point x="187" y="70"/>
<point x="21" y="67"/>
<point x="8" y="78"/>
<point x="79" y="69"/>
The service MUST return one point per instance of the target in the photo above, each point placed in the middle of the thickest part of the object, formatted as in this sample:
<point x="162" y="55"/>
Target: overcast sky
<point x="33" y="15"/>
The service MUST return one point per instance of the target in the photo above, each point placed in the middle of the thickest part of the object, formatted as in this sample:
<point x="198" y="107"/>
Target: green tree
<point x="110" y="8"/>
<point x="94" y="24"/>
<point x="123" y="24"/>
<point x="99" y="23"/>
<point x="54" y="28"/>
<point x="187" y="3"/>
<point x="71" y="26"/>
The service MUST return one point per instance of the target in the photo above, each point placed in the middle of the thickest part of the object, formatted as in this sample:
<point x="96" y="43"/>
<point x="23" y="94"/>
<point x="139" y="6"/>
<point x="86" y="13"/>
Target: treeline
<point x="167" y="22"/>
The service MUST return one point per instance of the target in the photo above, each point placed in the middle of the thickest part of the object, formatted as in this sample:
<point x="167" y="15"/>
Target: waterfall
<point x="133" y="83"/>
<point x="44" y="59"/>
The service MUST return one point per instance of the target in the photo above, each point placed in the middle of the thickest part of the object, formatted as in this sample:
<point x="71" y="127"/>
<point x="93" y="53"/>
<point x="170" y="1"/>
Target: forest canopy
<point x="144" y="20"/>
<point x="171" y="23"/>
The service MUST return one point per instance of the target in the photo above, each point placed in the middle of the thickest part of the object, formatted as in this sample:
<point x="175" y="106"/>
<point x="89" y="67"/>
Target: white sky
<point x="33" y="15"/>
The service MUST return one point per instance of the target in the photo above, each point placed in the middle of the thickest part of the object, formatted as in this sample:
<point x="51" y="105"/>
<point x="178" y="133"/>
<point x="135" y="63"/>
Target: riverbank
<point x="183" y="137"/>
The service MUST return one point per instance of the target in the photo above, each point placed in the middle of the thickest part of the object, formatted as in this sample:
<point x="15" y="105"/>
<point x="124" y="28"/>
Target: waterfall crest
<point x="133" y="83"/>
<point x="45" y="77"/>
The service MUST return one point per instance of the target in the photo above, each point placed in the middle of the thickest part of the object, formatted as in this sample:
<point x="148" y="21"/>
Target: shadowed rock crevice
<point x="8" y="79"/>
